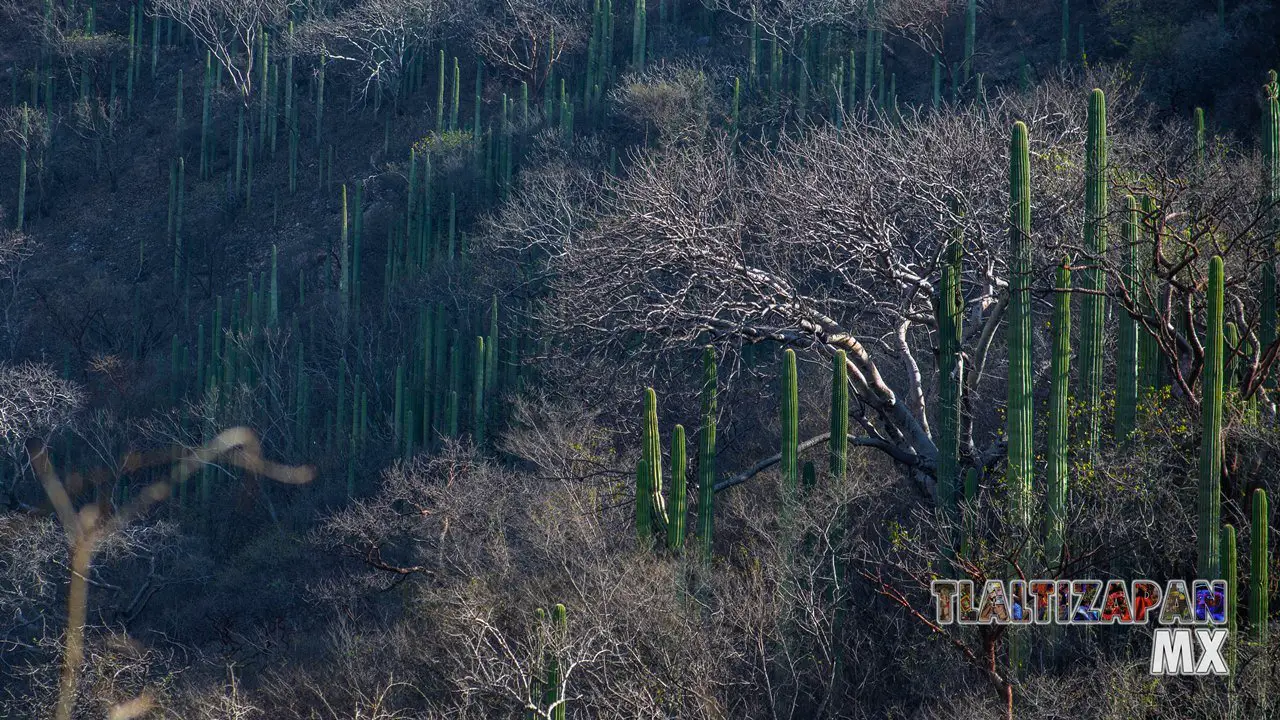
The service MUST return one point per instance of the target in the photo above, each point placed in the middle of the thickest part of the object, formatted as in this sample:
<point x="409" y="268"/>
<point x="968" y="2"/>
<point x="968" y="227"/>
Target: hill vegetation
<point x="586" y="359"/>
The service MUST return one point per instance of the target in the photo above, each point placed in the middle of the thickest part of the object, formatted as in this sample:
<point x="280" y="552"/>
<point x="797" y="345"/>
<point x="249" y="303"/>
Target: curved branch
<point x="913" y="461"/>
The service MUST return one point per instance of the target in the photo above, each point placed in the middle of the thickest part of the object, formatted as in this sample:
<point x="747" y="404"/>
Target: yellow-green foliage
<point x="673" y="102"/>
<point x="444" y="143"/>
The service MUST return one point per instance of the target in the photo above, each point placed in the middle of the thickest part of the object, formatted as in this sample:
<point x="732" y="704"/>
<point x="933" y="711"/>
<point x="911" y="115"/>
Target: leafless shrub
<point x="674" y="102"/>
<point x="34" y="401"/>
<point x="518" y="35"/>
<point x="230" y="30"/>
<point x="376" y="38"/>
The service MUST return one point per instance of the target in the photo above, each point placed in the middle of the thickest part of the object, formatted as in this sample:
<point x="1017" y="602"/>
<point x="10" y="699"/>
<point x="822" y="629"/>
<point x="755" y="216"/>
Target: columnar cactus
<point x="398" y="412"/>
<point x="1019" y="410"/>
<point x="556" y="701"/>
<point x="1197" y="128"/>
<point x="320" y="99"/>
<point x="644" y="507"/>
<point x="1060" y="381"/>
<point x="707" y="456"/>
<point x="440" y="96"/>
<point x="790" y="423"/>
<point x="1230" y="574"/>
<point x="25" y="112"/>
<point x="477" y="394"/>
<point x="1259" y="568"/>
<point x="638" y="37"/>
<point x="1127" y="342"/>
<point x="838" y="443"/>
<point x="653" y="459"/>
<point x="679" y="492"/>
<point x="457" y="85"/>
<point x="177" y="123"/>
<point x="1210" y="502"/>
<point x="1095" y="278"/>
<point x="936" y="95"/>
<point x="970" y="523"/>
<point x="1148" y="350"/>
<point x="204" y="115"/>
<point x="1271" y="164"/>
<point x="950" y="313"/>
<point x="1231" y="343"/>
<point x="344" y="271"/>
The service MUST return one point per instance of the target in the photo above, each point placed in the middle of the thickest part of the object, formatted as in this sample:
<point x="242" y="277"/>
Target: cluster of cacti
<point x="442" y="381"/>
<point x="547" y="696"/>
<point x="652" y="515"/>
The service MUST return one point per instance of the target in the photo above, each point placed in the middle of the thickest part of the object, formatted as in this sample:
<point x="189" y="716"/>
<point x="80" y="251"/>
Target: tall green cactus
<point x="970" y="522"/>
<point x="653" y="459"/>
<point x="679" y="492"/>
<point x="1230" y="574"/>
<point x="1094" y="282"/>
<point x="1231" y="343"/>
<point x="1127" y="342"/>
<point x="320" y="99"/>
<point x="556" y="700"/>
<point x="457" y="85"/>
<point x="790" y="423"/>
<point x="950" y="315"/>
<point x="477" y="394"/>
<point x="707" y="456"/>
<point x="838" y="443"/>
<point x="1060" y="381"/>
<point x="344" y="270"/>
<point x="1148" y="350"/>
<point x="1259" y="568"/>
<point x="638" y="37"/>
<point x="1271" y="166"/>
<point x="1019" y="412"/>
<point x="1210" y="501"/>
<point x="25" y="112"/>
<point x="440" y="96"/>
<point x="644" y="506"/>
<point x="178" y="127"/>
<point x="204" y="115"/>
<point x="1197" y="129"/>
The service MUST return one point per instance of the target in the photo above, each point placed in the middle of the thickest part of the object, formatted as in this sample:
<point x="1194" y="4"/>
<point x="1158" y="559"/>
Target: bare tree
<point x="231" y="30"/>
<point x="30" y="131"/>
<point x="377" y="38"/>
<point x="833" y="241"/>
<point x="34" y="401"/>
<point x="923" y="22"/>
<point x="528" y="37"/>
